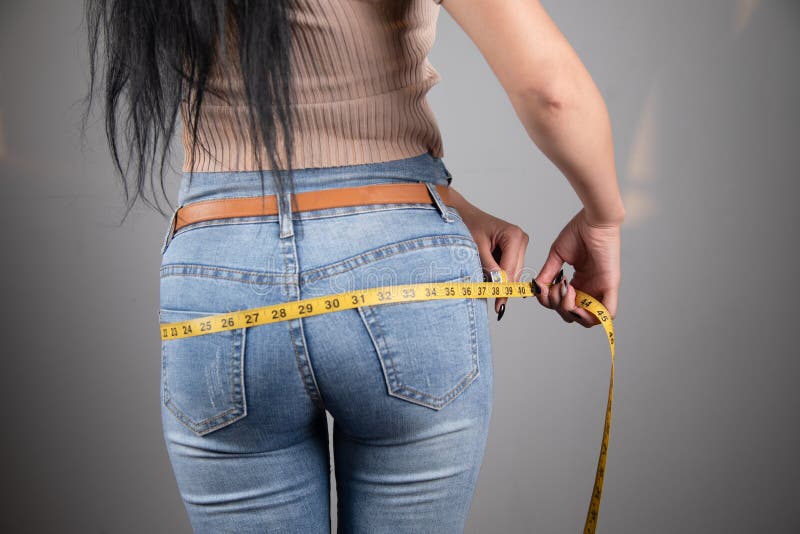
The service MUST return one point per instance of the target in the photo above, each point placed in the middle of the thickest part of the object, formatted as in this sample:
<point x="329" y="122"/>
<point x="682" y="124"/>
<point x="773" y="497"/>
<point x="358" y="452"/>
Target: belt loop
<point x="170" y="230"/>
<point x="437" y="199"/>
<point x="285" y="214"/>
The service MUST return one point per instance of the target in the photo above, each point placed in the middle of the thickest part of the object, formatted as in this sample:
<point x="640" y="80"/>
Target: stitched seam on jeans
<point x="359" y="210"/>
<point x="310" y="392"/>
<point x="226" y="422"/>
<point x="322" y="213"/>
<point x="362" y="313"/>
<point x="450" y="240"/>
<point x="192" y="425"/>
<point x="473" y="329"/>
<point x="299" y="363"/>
<point x="199" y="271"/>
<point x="196" y="275"/>
<point x="202" y="267"/>
<point x="319" y="401"/>
<point x="233" y="370"/>
<point x="440" y="400"/>
<point x="242" y="377"/>
<point x="385" y="350"/>
<point x="225" y="222"/>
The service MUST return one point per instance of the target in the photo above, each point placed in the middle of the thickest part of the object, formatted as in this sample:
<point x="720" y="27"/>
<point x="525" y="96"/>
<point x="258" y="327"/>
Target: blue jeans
<point x="408" y="385"/>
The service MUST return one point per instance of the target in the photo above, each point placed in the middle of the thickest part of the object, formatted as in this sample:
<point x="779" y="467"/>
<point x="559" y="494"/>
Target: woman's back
<point x="360" y="76"/>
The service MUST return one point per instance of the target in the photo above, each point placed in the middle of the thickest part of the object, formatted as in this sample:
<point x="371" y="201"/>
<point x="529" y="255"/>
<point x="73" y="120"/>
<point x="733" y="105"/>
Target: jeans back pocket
<point x="428" y="349"/>
<point x="202" y="377"/>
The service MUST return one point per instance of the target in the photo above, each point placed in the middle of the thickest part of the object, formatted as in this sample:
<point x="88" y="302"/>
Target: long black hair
<point x="157" y="53"/>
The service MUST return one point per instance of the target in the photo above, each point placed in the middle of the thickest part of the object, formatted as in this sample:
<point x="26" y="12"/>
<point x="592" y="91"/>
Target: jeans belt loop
<point x="440" y="205"/>
<point x="285" y="214"/>
<point x="170" y="230"/>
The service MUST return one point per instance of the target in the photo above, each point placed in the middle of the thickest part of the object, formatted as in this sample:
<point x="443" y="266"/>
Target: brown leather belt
<point x="226" y="208"/>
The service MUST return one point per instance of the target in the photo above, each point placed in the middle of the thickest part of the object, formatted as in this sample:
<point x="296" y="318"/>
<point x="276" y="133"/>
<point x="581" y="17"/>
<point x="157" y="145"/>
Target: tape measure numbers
<point x="499" y="287"/>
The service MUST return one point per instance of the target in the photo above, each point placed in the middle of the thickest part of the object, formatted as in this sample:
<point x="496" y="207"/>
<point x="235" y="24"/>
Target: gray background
<point x="702" y="97"/>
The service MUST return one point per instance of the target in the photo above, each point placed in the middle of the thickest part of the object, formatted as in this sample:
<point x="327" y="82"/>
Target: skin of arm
<point x="565" y="115"/>
<point x="552" y="93"/>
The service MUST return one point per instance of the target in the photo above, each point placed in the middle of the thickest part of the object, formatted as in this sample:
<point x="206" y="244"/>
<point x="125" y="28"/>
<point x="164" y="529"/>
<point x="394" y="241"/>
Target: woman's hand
<point x="594" y="252"/>
<point x="501" y="245"/>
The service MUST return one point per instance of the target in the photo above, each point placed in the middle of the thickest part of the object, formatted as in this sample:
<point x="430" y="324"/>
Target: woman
<point x="294" y="109"/>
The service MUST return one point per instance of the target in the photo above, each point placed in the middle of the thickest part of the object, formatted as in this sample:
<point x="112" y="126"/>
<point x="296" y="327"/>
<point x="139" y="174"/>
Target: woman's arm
<point x="565" y="115"/>
<point x="552" y="93"/>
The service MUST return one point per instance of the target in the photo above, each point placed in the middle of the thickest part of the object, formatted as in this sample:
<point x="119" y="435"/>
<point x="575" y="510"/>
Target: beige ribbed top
<point x="360" y="78"/>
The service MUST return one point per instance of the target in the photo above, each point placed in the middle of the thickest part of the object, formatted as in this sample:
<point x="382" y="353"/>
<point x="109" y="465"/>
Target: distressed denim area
<point x="408" y="384"/>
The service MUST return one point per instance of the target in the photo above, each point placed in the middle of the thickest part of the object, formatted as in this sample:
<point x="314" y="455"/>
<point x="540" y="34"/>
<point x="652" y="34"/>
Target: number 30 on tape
<point x="500" y="287"/>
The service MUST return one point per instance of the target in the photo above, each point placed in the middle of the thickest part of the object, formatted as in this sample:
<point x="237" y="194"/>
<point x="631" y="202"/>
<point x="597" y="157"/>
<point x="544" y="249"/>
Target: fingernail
<point x="501" y="312"/>
<point x="536" y="289"/>
<point x="558" y="278"/>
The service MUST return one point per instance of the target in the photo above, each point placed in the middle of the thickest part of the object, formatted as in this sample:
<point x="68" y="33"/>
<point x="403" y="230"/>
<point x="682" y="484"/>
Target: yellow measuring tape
<point x="499" y="287"/>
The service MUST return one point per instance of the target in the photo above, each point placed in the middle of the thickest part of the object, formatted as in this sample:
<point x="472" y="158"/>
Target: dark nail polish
<point x="536" y="289"/>
<point x="501" y="312"/>
<point x="558" y="278"/>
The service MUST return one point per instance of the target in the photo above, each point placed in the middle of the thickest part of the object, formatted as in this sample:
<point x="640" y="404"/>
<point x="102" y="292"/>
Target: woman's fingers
<point x="520" y="265"/>
<point x="512" y="258"/>
<point x="489" y="264"/>
<point x="559" y="298"/>
<point x="547" y="275"/>
<point x="512" y="253"/>
<point x="508" y="254"/>
<point x="610" y="302"/>
<point x="571" y="312"/>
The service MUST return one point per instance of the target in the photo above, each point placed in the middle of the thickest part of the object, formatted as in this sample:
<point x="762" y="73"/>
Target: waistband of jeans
<point x="199" y="186"/>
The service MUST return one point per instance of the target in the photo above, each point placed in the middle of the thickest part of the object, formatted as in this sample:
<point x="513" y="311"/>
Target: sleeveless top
<point x="360" y="75"/>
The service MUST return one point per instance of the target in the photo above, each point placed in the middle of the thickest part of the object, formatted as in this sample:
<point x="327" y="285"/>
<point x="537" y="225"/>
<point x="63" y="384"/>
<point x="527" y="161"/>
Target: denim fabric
<point x="409" y="385"/>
